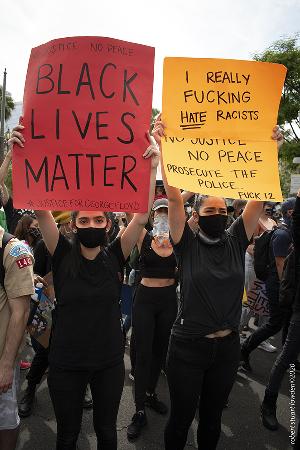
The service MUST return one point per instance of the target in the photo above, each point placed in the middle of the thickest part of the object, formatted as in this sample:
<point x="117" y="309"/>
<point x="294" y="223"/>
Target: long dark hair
<point x="22" y="228"/>
<point x="73" y="260"/>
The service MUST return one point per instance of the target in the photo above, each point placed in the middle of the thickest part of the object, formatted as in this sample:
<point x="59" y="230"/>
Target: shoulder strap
<point x="5" y="240"/>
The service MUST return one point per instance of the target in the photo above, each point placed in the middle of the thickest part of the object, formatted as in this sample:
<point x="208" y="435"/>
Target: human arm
<point x="4" y="194"/>
<point x="18" y="286"/>
<point x="5" y="166"/>
<point x="176" y="213"/>
<point x="19" y="309"/>
<point x="46" y="221"/>
<point x="186" y="195"/>
<point x="135" y="227"/>
<point x="279" y="260"/>
<point x="281" y="245"/>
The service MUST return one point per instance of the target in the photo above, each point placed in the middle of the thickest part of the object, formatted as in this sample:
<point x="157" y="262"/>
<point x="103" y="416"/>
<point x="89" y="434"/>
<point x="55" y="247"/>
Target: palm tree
<point x="9" y="103"/>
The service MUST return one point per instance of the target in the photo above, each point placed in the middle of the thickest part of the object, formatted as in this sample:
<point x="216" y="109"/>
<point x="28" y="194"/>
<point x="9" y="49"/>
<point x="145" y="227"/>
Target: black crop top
<point x="154" y="266"/>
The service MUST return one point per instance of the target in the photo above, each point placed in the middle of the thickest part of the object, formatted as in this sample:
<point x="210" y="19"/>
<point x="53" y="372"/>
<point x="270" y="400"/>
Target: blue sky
<point x="221" y="28"/>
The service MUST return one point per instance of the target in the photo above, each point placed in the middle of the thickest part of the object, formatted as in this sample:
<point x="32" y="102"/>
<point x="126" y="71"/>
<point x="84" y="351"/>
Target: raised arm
<point x="46" y="221"/>
<point x="176" y="211"/>
<point x="135" y="227"/>
<point x="4" y="167"/>
<point x="4" y="194"/>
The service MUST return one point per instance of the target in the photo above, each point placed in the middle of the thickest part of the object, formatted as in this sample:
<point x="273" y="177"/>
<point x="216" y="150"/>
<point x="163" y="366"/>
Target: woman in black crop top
<point x="204" y="348"/>
<point x="154" y="311"/>
<point x="87" y="344"/>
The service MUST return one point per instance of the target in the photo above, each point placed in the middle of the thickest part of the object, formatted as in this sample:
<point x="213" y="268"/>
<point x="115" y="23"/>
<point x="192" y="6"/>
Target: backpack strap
<point x="5" y="240"/>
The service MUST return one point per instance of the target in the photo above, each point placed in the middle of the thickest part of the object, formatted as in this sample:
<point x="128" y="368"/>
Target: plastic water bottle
<point x="39" y="290"/>
<point x="161" y="228"/>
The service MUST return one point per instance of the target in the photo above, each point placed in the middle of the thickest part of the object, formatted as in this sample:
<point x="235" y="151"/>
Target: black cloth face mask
<point x="91" y="237"/>
<point x="35" y="234"/>
<point x="213" y="225"/>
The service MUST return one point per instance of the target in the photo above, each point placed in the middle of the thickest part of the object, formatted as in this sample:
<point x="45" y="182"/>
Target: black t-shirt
<point x="280" y="247"/>
<point x="212" y="281"/>
<point x="87" y="332"/>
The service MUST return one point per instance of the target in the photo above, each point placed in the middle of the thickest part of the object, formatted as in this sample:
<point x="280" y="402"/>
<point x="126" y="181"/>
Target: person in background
<point x="265" y="223"/>
<point x="289" y="306"/>
<point x="154" y="311"/>
<point x="204" y="348"/>
<point x="28" y="230"/>
<point x="160" y="191"/>
<point x="15" y="296"/>
<point x="280" y="247"/>
<point x="238" y="206"/>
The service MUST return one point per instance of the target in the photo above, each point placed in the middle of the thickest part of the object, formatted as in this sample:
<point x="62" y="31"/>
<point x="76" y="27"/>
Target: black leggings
<point x="154" y="312"/>
<point x="67" y="389"/>
<point x="205" y="368"/>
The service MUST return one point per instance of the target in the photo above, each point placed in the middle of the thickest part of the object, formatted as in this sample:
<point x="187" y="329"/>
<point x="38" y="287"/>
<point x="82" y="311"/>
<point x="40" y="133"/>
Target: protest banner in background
<point x="87" y="107"/>
<point x="257" y="298"/>
<point x="219" y="116"/>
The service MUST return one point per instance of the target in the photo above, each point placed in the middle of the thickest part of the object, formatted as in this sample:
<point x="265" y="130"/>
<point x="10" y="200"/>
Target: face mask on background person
<point x="214" y="225"/>
<point x="35" y="234"/>
<point x="161" y="230"/>
<point x="92" y="237"/>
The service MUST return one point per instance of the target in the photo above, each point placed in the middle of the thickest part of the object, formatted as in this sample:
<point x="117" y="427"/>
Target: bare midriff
<point x="157" y="282"/>
<point x="221" y="333"/>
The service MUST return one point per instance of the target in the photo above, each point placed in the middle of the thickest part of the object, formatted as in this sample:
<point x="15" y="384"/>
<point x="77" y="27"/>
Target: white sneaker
<point x="267" y="347"/>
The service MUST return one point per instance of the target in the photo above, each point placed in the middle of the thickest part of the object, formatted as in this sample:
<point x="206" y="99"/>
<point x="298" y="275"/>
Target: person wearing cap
<point x="154" y="311"/>
<point x="280" y="247"/>
<point x="159" y="190"/>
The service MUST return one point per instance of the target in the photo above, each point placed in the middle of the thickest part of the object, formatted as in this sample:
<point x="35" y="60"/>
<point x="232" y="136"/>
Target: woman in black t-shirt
<point x="204" y="348"/>
<point x="87" y="343"/>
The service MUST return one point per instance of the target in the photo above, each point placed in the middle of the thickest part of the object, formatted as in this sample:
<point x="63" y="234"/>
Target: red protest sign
<point x="87" y="107"/>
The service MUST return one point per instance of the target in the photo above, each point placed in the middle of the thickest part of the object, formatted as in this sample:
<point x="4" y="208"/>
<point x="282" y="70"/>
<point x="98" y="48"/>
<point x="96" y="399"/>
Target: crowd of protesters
<point x="190" y="262"/>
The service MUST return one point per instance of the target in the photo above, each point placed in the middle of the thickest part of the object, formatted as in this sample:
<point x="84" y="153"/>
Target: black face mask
<point x="214" y="225"/>
<point x="91" y="237"/>
<point x="35" y="234"/>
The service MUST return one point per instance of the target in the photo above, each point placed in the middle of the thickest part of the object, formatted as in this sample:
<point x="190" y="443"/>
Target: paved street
<point x="241" y="426"/>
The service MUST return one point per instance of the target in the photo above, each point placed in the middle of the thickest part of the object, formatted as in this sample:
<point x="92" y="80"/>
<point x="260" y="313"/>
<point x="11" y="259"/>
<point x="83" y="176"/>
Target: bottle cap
<point x="39" y="285"/>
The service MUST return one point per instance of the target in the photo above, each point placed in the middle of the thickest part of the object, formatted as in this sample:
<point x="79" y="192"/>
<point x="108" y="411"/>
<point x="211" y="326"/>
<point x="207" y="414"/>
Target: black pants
<point x="67" y="389"/>
<point x="39" y="364"/>
<point x="287" y="356"/>
<point x="154" y="312"/>
<point x="205" y="368"/>
<point x="275" y="323"/>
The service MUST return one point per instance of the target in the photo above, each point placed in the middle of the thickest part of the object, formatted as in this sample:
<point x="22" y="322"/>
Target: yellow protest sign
<point x="219" y="115"/>
<point x="221" y="98"/>
<point x="223" y="167"/>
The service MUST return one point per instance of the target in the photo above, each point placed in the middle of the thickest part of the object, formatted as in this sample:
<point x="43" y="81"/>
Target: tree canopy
<point x="287" y="51"/>
<point x="9" y="104"/>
